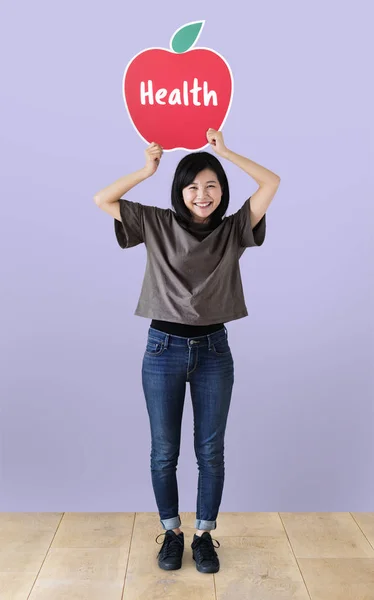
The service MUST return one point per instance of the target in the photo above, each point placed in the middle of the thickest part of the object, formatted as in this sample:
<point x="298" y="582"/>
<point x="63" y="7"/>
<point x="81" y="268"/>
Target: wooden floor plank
<point x="334" y="555"/>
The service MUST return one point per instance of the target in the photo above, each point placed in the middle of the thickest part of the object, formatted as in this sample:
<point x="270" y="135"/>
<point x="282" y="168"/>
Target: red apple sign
<point x="174" y="96"/>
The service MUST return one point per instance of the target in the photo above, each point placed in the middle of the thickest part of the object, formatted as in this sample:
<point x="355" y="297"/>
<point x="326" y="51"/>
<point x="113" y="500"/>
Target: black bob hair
<point x="185" y="174"/>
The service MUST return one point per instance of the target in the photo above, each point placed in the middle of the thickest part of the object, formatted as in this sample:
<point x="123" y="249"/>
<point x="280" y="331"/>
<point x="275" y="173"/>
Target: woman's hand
<point x="153" y="156"/>
<point x="215" y="139"/>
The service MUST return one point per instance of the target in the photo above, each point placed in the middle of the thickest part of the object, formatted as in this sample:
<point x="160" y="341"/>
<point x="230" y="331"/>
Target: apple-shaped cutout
<point x="174" y="96"/>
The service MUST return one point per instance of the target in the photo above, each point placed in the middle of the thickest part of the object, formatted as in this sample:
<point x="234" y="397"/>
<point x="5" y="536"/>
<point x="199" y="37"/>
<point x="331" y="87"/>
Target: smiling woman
<point x="203" y="196"/>
<point x="200" y="190"/>
<point x="192" y="286"/>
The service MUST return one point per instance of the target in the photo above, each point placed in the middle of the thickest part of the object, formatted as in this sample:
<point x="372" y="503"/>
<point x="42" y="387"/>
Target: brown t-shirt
<point x="191" y="277"/>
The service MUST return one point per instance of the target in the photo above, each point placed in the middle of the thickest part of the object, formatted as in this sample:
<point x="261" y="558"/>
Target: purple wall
<point x="74" y="429"/>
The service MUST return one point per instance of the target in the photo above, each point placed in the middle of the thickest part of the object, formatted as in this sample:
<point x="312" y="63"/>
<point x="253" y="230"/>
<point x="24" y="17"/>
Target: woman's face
<point x="205" y="189"/>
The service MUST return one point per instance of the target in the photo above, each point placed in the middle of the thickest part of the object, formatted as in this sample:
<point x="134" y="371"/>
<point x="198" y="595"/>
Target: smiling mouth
<point x="203" y="205"/>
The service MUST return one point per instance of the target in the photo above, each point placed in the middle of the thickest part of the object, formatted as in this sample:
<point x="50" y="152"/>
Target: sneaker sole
<point x="169" y="567"/>
<point x="206" y="569"/>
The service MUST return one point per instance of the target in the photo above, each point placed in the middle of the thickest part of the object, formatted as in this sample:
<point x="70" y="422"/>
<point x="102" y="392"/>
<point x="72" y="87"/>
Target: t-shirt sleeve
<point x="130" y="231"/>
<point x="246" y="235"/>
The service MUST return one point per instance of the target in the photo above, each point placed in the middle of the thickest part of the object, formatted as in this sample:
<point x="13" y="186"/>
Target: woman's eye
<point x="194" y="188"/>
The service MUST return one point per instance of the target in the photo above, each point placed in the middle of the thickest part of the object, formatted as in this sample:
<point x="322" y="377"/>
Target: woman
<point x="192" y="286"/>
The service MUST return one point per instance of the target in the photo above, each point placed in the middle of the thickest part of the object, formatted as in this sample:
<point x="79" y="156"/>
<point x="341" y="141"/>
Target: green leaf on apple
<point x="185" y="37"/>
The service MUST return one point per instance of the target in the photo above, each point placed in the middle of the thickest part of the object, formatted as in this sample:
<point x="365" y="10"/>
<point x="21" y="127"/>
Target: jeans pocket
<point x="221" y="346"/>
<point x="154" y="347"/>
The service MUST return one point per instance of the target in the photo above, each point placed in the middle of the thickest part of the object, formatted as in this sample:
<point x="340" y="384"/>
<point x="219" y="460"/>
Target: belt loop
<point x="166" y="340"/>
<point x="225" y="331"/>
<point x="209" y="341"/>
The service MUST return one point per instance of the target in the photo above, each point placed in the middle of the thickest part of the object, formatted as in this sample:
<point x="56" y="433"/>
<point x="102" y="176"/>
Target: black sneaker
<point x="170" y="555"/>
<point x="203" y="553"/>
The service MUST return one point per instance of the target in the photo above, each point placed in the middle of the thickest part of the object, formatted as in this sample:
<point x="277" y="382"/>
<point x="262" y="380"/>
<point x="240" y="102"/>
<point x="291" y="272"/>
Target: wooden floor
<point x="112" y="556"/>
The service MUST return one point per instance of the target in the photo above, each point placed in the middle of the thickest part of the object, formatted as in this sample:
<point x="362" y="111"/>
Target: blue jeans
<point x="206" y="362"/>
